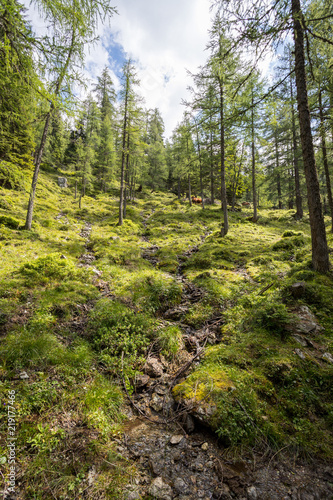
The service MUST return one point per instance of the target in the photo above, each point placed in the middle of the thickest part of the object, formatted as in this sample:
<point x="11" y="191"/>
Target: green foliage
<point x="51" y="267"/>
<point x="290" y="242"/>
<point x="271" y="314"/>
<point x="11" y="175"/>
<point x="117" y="330"/>
<point x="170" y="340"/>
<point x="154" y="291"/>
<point x="24" y="349"/>
<point x="9" y="222"/>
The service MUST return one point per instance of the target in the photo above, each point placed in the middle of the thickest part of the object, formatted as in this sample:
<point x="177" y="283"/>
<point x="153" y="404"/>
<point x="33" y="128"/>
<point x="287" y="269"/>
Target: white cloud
<point x="163" y="38"/>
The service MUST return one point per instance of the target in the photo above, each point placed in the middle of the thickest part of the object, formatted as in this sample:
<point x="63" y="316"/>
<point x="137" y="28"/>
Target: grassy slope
<point x="68" y="335"/>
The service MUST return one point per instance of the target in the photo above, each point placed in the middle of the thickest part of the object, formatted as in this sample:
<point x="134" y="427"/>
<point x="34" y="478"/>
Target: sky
<point x="164" y="40"/>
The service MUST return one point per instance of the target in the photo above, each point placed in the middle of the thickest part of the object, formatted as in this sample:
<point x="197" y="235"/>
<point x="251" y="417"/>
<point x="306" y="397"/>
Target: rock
<point x="307" y="321"/>
<point x="180" y="486"/>
<point x="176" y="313"/>
<point x="141" y="381"/>
<point x="300" y="354"/>
<point x="160" y="490"/>
<point x="189" y="424"/>
<point x="63" y="257"/>
<point x="300" y="340"/>
<point x="62" y="182"/>
<point x="91" y="476"/>
<point x="328" y="357"/>
<point x="205" y="447"/>
<point x="156" y="402"/>
<point x="133" y="495"/>
<point x="297" y="290"/>
<point x="176" y="439"/>
<point x="252" y="493"/>
<point x="23" y="376"/>
<point x="161" y="390"/>
<point x="114" y="238"/>
<point x="153" y="367"/>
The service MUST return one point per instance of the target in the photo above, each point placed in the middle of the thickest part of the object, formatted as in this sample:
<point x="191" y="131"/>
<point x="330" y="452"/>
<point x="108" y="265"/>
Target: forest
<point x="166" y="303"/>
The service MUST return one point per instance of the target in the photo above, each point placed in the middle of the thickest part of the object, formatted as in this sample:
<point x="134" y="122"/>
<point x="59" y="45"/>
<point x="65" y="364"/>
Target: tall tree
<point x="73" y="25"/>
<point x="260" y="27"/>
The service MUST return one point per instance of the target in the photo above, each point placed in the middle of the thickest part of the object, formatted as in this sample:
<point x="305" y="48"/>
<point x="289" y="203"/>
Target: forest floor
<point x="159" y="360"/>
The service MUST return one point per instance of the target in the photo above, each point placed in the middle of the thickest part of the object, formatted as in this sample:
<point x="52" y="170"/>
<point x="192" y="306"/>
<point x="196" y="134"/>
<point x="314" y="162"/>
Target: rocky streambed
<point x="178" y="456"/>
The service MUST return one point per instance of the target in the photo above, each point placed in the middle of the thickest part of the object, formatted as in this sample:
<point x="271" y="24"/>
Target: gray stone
<point x="153" y="367"/>
<point x="176" y="439"/>
<point x="133" y="495"/>
<point x="160" y="490"/>
<point x="297" y="290"/>
<point x="180" y="486"/>
<point x="62" y="182"/>
<point x="300" y="340"/>
<point x="300" y="354"/>
<point x="141" y="380"/>
<point x="189" y="424"/>
<point x="328" y="357"/>
<point x="23" y="376"/>
<point x="252" y="493"/>
<point x="156" y="402"/>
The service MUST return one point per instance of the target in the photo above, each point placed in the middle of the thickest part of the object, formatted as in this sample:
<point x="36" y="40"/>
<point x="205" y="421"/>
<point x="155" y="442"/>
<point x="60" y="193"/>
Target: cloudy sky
<point x="164" y="39"/>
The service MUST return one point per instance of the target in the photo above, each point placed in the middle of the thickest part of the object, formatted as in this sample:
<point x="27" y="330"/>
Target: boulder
<point x="62" y="182"/>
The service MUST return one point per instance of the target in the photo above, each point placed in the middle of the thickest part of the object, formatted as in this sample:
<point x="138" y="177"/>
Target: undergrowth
<point x="66" y="349"/>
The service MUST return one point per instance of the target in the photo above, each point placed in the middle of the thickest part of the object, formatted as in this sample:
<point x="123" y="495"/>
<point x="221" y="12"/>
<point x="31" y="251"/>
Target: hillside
<point x="130" y="354"/>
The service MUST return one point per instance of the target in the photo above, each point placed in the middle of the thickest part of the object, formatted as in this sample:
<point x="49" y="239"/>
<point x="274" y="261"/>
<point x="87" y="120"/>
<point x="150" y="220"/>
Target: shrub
<point x="52" y="267"/>
<point x="9" y="222"/>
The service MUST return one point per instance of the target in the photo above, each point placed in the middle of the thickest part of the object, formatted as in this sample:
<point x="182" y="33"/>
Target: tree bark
<point x="189" y="190"/>
<point x="298" y="196"/>
<point x="123" y="157"/>
<point x="277" y="166"/>
<point x="212" y="199"/>
<point x="28" y="221"/>
<point x="324" y="153"/>
<point x="225" y="227"/>
<point x="254" y="188"/>
<point x="320" y="258"/>
<point x="39" y="155"/>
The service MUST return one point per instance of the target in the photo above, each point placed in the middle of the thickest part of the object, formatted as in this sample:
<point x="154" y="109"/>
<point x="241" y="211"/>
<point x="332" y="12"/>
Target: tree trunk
<point x="189" y="190"/>
<point x="277" y="166"/>
<point x="212" y="199"/>
<point x="30" y="211"/>
<point x="178" y="188"/>
<point x="320" y="258"/>
<point x="324" y="153"/>
<point x="123" y="158"/>
<point x="299" y="208"/>
<point x="254" y="188"/>
<point x="62" y="75"/>
<point x="200" y="165"/>
<point x="225" y="227"/>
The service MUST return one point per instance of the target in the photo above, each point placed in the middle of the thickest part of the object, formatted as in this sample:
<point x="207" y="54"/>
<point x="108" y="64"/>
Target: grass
<point x="70" y="340"/>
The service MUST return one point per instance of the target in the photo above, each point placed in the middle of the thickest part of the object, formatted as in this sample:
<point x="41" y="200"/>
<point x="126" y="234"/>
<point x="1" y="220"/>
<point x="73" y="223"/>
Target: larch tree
<point x="73" y="26"/>
<point x="260" y="27"/>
